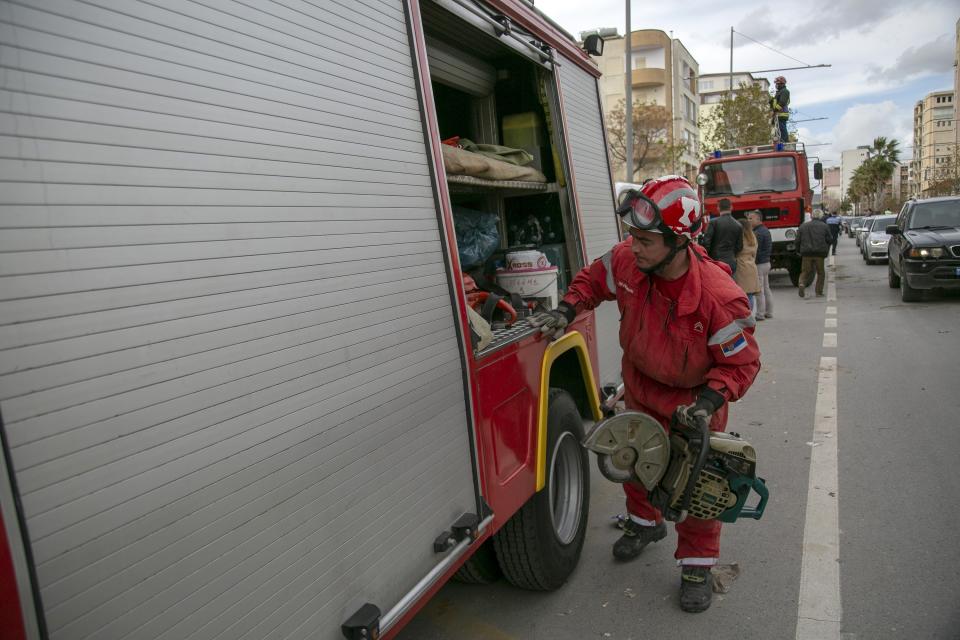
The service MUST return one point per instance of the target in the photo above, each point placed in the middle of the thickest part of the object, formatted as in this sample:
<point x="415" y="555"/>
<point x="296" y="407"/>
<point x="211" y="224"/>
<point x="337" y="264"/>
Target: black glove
<point x="703" y="407"/>
<point x="554" y="323"/>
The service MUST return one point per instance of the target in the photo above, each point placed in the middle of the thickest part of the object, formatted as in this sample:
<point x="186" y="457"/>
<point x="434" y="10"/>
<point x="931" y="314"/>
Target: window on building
<point x="690" y="139"/>
<point x="649" y="58"/>
<point x="705" y="85"/>
<point x="690" y="109"/>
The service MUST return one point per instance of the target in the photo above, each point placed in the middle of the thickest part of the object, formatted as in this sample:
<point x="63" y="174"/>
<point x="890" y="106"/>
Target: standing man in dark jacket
<point x="724" y="237"/>
<point x="764" y="249"/>
<point x="813" y="243"/>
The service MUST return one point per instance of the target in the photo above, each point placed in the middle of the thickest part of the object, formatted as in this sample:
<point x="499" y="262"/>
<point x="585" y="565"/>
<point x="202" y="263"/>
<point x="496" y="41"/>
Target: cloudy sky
<point x="886" y="54"/>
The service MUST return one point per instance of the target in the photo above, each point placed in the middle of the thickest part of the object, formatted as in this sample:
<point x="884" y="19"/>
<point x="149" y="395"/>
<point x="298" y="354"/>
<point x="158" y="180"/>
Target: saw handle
<point x="703" y="426"/>
<point x="756" y="512"/>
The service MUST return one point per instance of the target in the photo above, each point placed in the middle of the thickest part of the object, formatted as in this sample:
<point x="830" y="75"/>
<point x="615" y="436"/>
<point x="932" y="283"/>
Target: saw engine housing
<point x="680" y="476"/>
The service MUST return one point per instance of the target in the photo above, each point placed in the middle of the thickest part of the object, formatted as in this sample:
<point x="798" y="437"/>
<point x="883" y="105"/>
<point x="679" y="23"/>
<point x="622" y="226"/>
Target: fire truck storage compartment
<point x="231" y="382"/>
<point x="490" y="94"/>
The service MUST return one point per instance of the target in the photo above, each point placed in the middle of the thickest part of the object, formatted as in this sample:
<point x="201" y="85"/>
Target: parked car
<point x="874" y="245"/>
<point x="862" y="228"/>
<point x="925" y="247"/>
<point x="845" y="224"/>
<point x="852" y="224"/>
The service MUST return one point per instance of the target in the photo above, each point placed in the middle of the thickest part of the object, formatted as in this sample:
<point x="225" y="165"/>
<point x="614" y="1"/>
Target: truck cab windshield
<point x="756" y="175"/>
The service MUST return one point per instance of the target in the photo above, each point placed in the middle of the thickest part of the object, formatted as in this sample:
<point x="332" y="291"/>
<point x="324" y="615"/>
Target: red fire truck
<point x="771" y="178"/>
<point x="239" y="392"/>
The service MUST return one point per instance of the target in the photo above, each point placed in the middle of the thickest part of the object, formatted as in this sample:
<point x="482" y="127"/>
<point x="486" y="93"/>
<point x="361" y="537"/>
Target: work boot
<point x="635" y="537"/>
<point x="696" y="588"/>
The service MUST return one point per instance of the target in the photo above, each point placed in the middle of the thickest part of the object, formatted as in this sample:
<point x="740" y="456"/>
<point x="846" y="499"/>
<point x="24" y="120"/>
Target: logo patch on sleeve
<point x="734" y="345"/>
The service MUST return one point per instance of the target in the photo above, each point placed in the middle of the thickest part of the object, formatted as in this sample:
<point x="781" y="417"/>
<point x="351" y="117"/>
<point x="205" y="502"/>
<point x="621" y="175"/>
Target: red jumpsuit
<point x="670" y="351"/>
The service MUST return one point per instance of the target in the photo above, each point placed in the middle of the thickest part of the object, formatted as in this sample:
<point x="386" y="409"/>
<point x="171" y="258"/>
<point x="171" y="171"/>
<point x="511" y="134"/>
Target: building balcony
<point x="649" y="77"/>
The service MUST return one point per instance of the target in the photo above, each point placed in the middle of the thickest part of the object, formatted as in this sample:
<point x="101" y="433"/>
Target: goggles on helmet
<point x="640" y="212"/>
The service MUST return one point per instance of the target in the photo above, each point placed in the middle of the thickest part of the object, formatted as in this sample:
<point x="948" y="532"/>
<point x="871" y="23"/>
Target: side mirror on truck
<point x="818" y="171"/>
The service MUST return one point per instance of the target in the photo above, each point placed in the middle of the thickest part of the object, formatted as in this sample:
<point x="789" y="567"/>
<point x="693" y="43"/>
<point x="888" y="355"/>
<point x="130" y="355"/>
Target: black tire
<point x="892" y="278"/>
<point x="539" y="547"/>
<point x="908" y="293"/>
<point x="481" y="567"/>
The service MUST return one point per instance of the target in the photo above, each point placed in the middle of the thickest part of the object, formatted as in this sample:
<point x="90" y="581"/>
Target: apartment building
<point x="664" y="72"/>
<point x="713" y="86"/>
<point x="850" y="161"/>
<point x="934" y="140"/>
<point x="832" y="195"/>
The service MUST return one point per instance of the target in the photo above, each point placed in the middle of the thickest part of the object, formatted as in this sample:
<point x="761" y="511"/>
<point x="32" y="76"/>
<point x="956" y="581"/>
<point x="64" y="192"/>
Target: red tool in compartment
<point x="478" y="301"/>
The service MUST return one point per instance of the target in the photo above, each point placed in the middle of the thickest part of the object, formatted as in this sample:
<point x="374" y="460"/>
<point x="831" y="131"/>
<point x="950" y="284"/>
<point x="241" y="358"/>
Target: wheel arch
<point x="566" y="365"/>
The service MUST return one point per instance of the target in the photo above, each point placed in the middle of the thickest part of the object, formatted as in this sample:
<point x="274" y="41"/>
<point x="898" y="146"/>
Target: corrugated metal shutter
<point x="229" y="372"/>
<point x="460" y="70"/>
<point x="591" y="172"/>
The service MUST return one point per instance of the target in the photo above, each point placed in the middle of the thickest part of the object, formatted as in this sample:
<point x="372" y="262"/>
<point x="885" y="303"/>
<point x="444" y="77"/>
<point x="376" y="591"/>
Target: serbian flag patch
<point x="734" y="345"/>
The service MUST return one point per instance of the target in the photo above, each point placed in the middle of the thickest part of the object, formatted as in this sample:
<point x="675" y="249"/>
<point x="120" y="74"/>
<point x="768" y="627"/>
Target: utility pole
<point x="628" y="90"/>
<point x="730" y="106"/>
<point x="731" y="63"/>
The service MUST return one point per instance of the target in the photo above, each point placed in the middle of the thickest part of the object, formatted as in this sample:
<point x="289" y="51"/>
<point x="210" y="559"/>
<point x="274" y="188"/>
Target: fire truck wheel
<point x="540" y="545"/>
<point x="481" y="567"/>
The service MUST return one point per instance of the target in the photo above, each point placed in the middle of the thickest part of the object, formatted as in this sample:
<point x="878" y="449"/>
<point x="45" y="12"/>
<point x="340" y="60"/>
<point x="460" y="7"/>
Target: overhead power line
<point x="774" y="50"/>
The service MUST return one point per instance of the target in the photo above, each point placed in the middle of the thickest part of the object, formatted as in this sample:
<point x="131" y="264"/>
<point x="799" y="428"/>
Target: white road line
<point x="819" y="613"/>
<point x="831" y="311"/>
<point x="831" y="291"/>
<point x="830" y="340"/>
<point x="829" y="323"/>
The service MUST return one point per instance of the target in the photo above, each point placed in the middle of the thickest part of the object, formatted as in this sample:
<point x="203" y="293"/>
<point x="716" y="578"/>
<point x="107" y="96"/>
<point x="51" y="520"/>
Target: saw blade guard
<point x="630" y="446"/>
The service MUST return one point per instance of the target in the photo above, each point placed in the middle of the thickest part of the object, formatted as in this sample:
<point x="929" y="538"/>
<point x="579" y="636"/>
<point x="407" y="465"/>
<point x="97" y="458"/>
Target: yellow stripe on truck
<point x="572" y="340"/>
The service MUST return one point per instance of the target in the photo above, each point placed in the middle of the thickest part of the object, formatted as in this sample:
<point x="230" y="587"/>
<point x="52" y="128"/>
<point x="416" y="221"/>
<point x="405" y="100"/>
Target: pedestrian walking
<point x="723" y="239"/>
<point x="746" y="273"/>
<point x="833" y="223"/>
<point x="687" y="336"/>
<point x="813" y="244"/>
<point x="764" y="308"/>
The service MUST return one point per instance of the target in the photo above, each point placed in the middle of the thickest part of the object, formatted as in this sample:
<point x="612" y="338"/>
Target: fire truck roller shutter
<point x="230" y="377"/>
<point x="591" y="178"/>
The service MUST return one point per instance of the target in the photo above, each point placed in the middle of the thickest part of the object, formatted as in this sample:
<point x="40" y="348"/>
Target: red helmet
<point x="663" y="204"/>
<point x="779" y="80"/>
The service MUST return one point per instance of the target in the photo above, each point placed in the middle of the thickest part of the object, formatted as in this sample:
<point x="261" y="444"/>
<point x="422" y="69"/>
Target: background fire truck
<point x="771" y="178"/>
<point x="239" y="393"/>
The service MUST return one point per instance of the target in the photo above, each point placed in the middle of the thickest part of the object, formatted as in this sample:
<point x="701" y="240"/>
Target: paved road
<point x="893" y="444"/>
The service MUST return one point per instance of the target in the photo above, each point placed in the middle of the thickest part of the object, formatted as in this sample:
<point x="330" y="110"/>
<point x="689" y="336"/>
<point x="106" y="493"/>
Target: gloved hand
<point x="703" y="407"/>
<point x="554" y="323"/>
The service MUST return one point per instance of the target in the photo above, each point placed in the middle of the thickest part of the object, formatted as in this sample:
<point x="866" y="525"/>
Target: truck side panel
<point x="231" y="378"/>
<point x="594" y="192"/>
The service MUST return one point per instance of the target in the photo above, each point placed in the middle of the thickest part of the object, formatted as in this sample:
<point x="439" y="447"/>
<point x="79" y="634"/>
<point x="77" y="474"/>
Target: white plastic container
<point x="530" y="259"/>
<point x="539" y="284"/>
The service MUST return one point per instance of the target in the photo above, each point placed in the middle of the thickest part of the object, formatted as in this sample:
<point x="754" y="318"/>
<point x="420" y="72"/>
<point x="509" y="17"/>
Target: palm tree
<point x="887" y="150"/>
<point x="883" y="156"/>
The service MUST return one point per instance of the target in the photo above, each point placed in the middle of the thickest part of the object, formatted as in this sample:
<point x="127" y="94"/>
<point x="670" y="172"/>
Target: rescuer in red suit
<point x="687" y="336"/>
